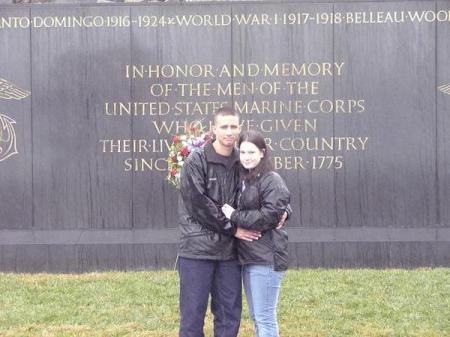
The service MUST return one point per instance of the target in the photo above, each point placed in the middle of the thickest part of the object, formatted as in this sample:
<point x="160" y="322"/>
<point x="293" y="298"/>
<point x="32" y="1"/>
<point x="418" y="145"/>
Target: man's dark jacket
<point x="208" y="181"/>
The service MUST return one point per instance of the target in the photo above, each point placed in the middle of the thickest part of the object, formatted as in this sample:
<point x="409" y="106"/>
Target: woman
<point x="263" y="199"/>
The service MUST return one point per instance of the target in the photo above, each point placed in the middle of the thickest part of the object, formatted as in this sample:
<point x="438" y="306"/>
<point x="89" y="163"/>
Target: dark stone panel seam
<point x="437" y="148"/>
<point x="171" y="236"/>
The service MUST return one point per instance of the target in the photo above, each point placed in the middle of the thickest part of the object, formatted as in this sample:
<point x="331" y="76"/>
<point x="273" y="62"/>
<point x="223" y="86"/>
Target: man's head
<point x="226" y="129"/>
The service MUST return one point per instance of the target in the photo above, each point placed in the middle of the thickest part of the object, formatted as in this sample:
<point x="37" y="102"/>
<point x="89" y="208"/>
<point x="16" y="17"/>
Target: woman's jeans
<point x="262" y="286"/>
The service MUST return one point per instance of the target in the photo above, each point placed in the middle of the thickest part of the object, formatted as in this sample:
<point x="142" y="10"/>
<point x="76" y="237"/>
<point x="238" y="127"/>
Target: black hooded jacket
<point x="261" y="204"/>
<point x="208" y="181"/>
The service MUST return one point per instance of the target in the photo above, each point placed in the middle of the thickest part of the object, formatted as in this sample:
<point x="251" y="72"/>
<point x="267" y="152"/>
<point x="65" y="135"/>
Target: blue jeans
<point x="221" y="279"/>
<point x="262" y="286"/>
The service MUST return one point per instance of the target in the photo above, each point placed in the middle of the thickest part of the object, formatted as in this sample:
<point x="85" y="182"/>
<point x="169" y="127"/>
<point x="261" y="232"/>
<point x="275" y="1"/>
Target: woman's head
<point x="253" y="154"/>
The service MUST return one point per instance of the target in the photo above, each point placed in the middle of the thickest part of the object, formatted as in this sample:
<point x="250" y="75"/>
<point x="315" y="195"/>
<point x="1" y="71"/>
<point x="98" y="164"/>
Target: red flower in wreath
<point x="173" y="172"/>
<point x="184" y="151"/>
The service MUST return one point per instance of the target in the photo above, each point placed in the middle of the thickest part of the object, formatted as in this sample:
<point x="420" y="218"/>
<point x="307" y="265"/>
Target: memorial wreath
<point x="182" y="145"/>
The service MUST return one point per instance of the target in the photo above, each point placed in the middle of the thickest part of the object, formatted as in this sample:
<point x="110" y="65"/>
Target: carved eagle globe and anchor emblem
<point x="445" y="88"/>
<point x="8" y="146"/>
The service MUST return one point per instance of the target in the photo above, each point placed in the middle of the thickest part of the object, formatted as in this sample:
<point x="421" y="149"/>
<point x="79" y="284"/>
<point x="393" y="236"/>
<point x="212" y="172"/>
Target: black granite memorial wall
<point x="353" y="97"/>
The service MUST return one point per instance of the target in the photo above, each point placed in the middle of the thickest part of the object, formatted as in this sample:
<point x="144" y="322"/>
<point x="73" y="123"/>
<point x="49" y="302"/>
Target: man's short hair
<point x="226" y="110"/>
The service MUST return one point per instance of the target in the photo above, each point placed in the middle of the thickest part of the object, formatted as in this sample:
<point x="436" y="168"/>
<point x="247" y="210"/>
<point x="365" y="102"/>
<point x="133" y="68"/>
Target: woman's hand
<point x="227" y="210"/>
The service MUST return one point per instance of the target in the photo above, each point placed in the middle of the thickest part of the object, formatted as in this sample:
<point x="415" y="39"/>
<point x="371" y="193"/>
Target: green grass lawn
<point x="375" y="303"/>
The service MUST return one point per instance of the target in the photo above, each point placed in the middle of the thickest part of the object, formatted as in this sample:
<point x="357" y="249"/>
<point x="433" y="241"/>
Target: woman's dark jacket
<point x="208" y="181"/>
<point x="261" y="204"/>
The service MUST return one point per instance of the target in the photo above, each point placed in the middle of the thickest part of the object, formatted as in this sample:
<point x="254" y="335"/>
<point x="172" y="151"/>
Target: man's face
<point x="226" y="129"/>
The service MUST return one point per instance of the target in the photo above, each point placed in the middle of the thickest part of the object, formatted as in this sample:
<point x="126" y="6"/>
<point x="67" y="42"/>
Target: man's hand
<point x="282" y="220"/>
<point x="227" y="210"/>
<point x="246" y="234"/>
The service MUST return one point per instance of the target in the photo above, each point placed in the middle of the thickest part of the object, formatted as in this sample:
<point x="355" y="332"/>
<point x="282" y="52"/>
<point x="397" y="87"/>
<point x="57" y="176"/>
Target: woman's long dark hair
<point x="265" y="165"/>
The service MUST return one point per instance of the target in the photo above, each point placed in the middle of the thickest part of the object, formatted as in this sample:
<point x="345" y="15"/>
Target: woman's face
<point x="250" y="155"/>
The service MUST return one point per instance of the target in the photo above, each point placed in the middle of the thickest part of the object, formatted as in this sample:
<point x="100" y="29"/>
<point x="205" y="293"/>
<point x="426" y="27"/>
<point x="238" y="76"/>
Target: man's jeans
<point x="262" y="286"/>
<point x="199" y="278"/>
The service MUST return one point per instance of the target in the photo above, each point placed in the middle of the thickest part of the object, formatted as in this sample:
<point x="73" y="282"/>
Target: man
<point x="207" y="255"/>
